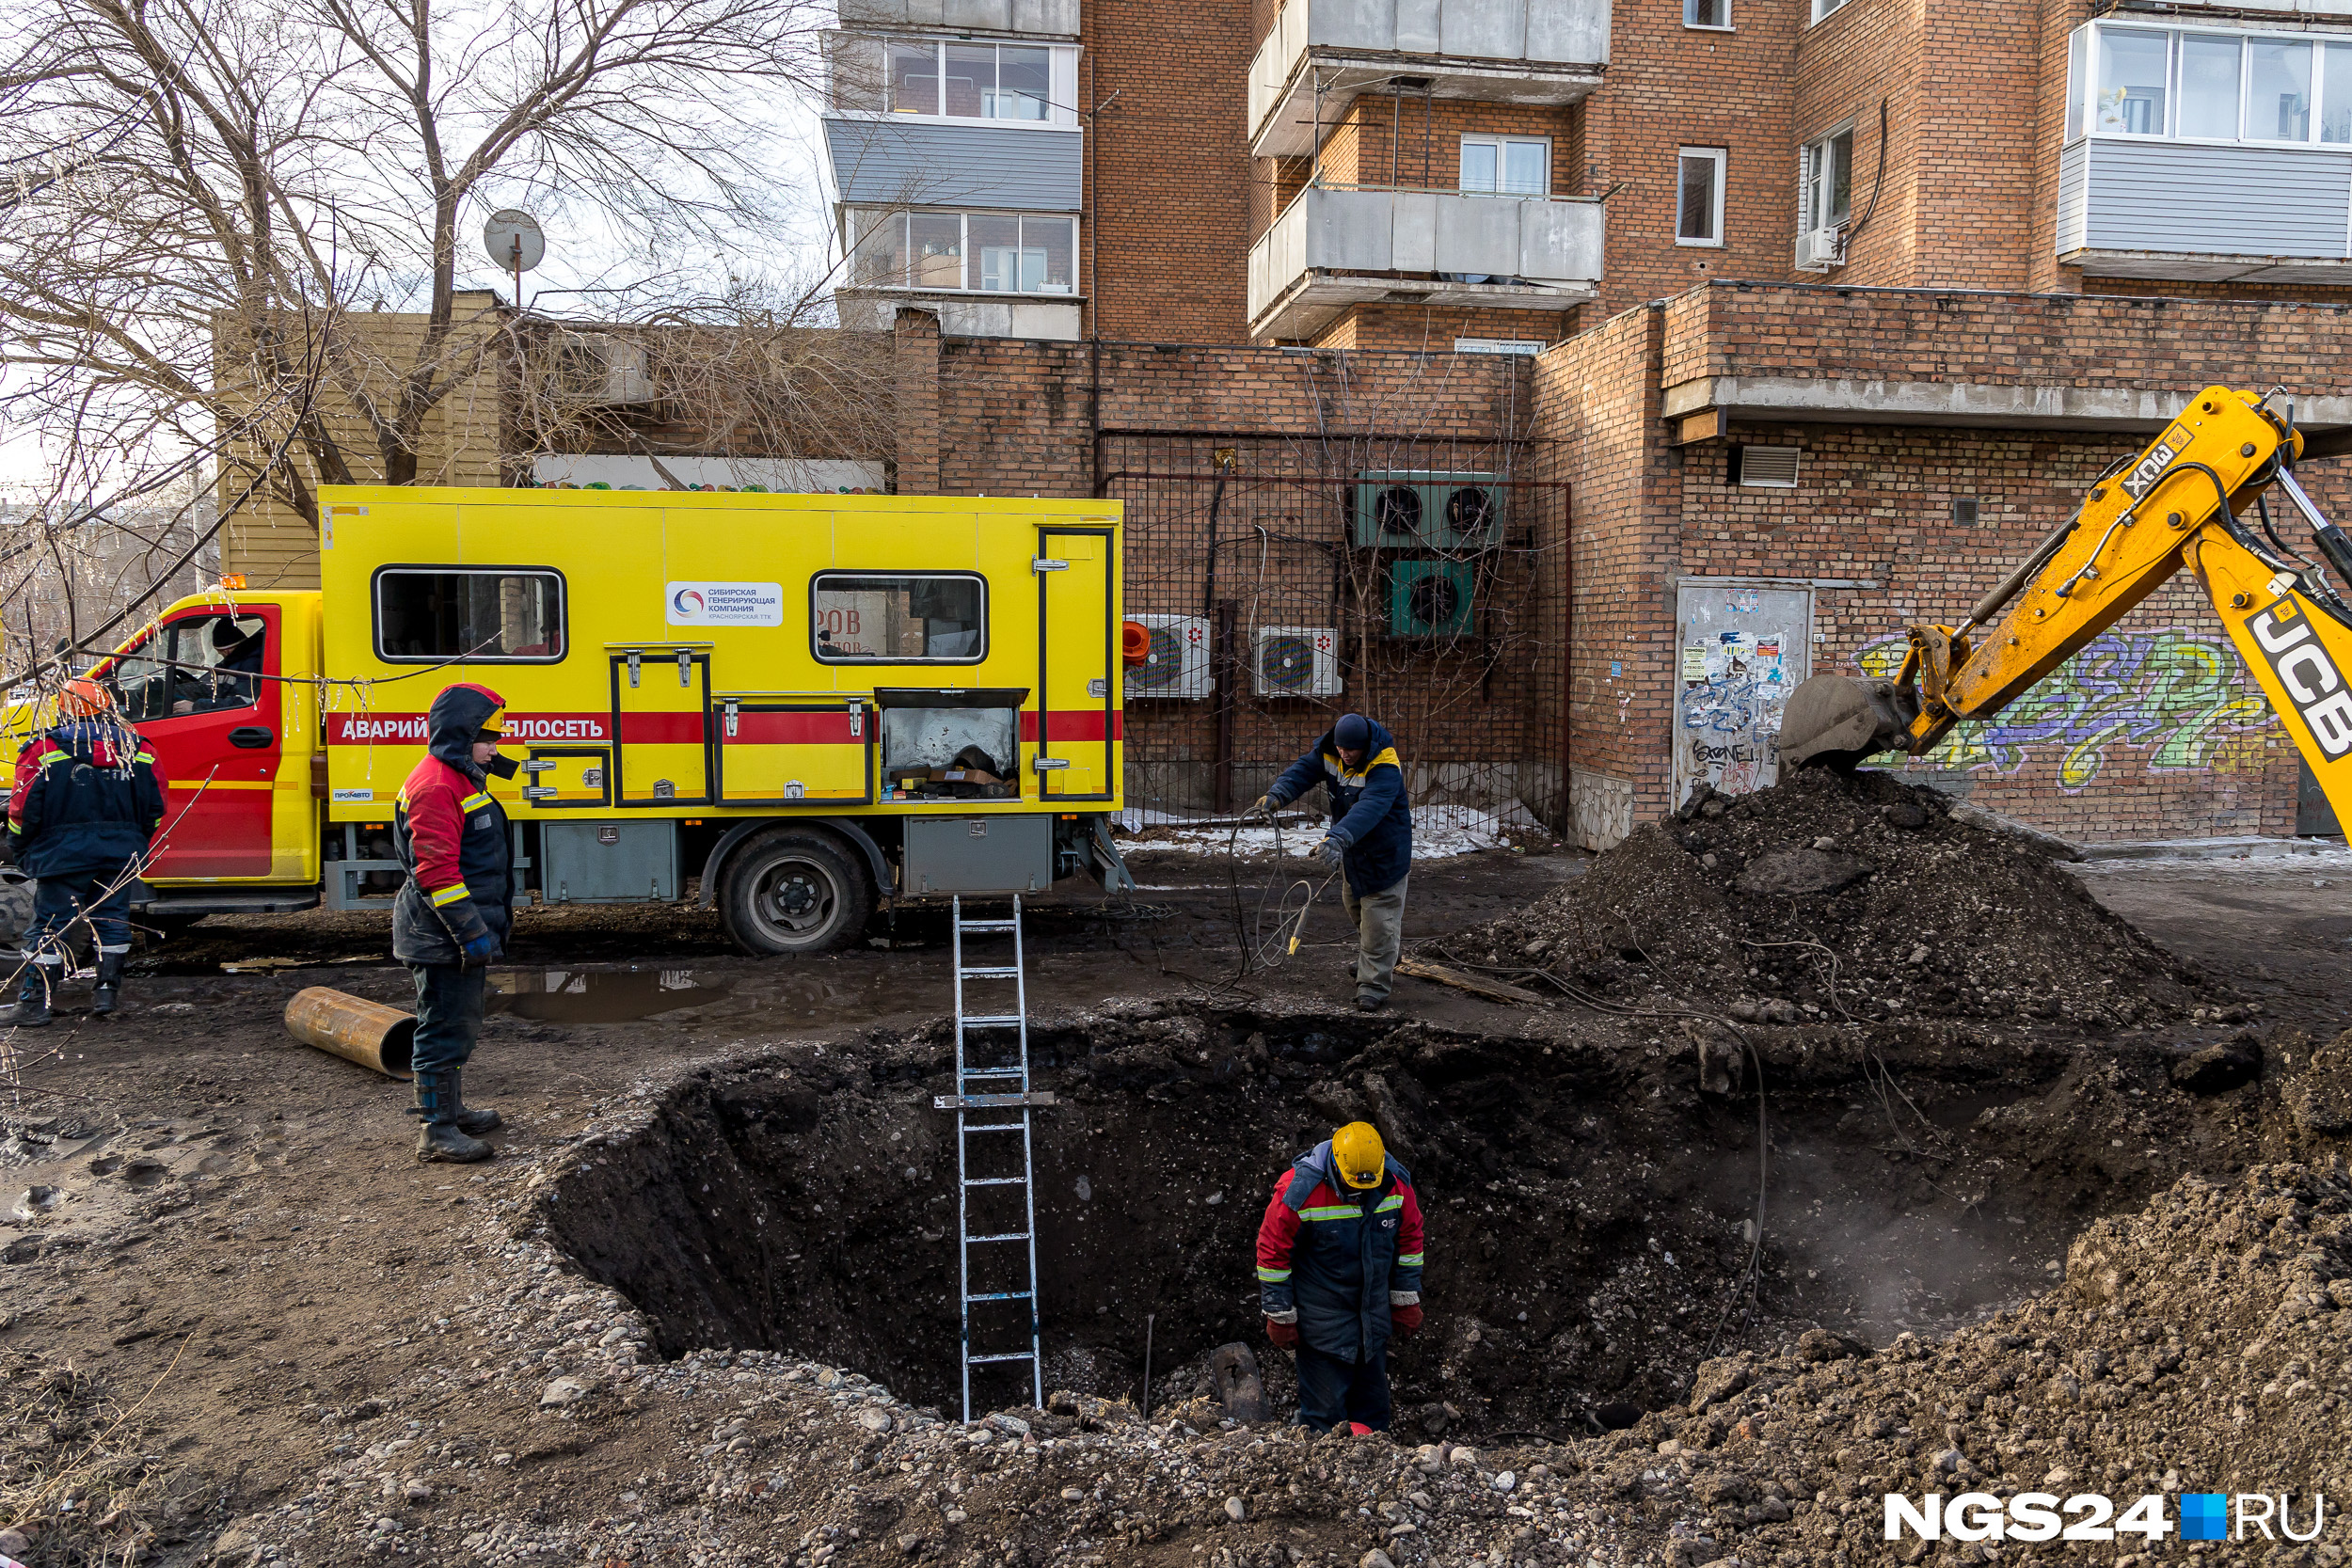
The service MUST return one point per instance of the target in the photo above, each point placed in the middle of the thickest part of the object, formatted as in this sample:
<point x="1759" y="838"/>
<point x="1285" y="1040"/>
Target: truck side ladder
<point x="992" y="1099"/>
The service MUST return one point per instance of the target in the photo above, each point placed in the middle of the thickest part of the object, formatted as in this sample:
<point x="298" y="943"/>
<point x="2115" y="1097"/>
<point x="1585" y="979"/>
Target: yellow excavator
<point x="2183" y="500"/>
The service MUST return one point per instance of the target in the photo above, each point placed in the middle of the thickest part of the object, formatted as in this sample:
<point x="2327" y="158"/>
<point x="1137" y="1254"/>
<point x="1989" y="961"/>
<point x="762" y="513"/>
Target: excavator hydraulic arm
<point x="2182" y="501"/>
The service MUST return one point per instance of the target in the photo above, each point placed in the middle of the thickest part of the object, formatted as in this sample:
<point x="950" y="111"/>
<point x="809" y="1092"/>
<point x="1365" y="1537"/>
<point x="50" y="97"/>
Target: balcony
<point x="2205" y="213"/>
<point x="1039" y="18"/>
<point x="1337" y="247"/>
<point x="1532" y="51"/>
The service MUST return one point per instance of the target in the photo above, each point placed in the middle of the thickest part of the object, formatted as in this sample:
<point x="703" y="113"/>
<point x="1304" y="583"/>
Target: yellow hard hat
<point x="1355" y="1148"/>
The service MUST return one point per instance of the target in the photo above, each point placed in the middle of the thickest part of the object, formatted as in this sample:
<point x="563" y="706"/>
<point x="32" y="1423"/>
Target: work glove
<point x="1331" y="851"/>
<point x="1284" y="1335"/>
<point x="1261" y="806"/>
<point x="1405" y="1321"/>
<point x="478" y="950"/>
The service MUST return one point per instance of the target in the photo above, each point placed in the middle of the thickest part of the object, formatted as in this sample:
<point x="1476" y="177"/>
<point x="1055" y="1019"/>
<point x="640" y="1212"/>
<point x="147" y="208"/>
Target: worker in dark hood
<point x="1370" y="838"/>
<point x="450" y="918"/>
<point x="1339" y="1274"/>
<point x="81" y="817"/>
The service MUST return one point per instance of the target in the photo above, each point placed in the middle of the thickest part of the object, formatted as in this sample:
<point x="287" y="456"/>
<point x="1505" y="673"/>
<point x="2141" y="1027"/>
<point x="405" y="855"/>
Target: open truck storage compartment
<point x="763" y="692"/>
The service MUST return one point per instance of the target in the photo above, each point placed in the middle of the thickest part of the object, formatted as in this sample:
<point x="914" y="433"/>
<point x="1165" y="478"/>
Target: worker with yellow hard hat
<point x="1339" y="1274"/>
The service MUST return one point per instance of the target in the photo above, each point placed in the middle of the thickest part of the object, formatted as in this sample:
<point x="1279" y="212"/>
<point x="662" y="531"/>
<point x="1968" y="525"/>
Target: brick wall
<point x="1477" y="714"/>
<point x="2045" y="341"/>
<point x="2153" y="731"/>
<point x="1597" y="402"/>
<point x="1166" y="91"/>
<point x="275" y="546"/>
<point x="1671" y="86"/>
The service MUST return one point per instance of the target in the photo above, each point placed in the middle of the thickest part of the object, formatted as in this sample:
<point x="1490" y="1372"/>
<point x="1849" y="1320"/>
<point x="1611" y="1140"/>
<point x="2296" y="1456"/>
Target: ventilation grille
<point x="1772" y="468"/>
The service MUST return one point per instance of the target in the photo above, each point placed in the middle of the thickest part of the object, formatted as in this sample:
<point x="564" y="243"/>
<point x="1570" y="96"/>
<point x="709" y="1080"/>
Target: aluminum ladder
<point x="993" y="1100"/>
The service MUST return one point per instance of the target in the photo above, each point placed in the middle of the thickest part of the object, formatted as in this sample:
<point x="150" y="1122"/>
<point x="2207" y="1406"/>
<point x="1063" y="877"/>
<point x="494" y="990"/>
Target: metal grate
<point x="1420" y="580"/>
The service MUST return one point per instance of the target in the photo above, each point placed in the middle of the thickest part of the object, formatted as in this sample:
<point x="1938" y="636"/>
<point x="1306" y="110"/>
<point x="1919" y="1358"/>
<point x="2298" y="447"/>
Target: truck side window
<point x="198" y="664"/>
<point x="482" y="615"/>
<point x="899" y="617"/>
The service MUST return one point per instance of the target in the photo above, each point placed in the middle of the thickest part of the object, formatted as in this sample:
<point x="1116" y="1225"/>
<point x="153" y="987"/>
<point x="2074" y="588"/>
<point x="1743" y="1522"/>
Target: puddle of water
<point x="598" y="996"/>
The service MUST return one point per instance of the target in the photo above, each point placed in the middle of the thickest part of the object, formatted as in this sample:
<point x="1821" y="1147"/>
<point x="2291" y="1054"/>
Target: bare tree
<point x="212" y="196"/>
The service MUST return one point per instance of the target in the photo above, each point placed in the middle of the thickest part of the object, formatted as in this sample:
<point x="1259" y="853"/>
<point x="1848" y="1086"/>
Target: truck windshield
<point x="490" y="615"/>
<point x="898" y="618"/>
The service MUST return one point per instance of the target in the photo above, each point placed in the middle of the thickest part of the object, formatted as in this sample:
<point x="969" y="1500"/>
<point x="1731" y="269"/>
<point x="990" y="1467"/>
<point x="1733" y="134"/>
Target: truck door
<point x="776" y="750"/>
<point x="1078" y="686"/>
<point x="660" y="744"/>
<point x="1740" y="648"/>
<point x="197" y="687"/>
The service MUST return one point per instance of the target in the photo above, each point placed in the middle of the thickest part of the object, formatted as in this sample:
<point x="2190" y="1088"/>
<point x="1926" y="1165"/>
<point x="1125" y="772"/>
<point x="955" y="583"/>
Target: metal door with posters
<point x="1078" y="670"/>
<point x="777" y="751"/>
<point x="1741" y="647"/>
<point x="661" y="748"/>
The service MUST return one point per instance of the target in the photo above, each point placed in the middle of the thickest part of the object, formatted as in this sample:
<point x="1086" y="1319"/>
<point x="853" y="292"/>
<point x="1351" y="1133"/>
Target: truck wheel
<point x="794" y="890"/>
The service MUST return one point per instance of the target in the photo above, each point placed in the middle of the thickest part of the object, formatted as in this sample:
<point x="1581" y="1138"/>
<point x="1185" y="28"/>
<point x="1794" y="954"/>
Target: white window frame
<point x="1809" y="175"/>
<point x="1822" y="9"/>
<point x="1691" y="6"/>
<point x="860" y="217"/>
<point x="1501" y="143"/>
<point x="2082" y="88"/>
<point x="1721" y="158"/>
<point x="1061" y="71"/>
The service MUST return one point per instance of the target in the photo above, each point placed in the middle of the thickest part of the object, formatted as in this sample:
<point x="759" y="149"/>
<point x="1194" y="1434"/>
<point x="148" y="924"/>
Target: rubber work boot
<point x="108" y="991"/>
<point x="469" y="1118"/>
<point x="32" y="1001"/>
<point x="441" y="1138"/>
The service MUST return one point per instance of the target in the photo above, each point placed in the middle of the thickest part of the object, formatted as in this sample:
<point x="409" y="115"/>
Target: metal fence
<point x="1286" y="580"/>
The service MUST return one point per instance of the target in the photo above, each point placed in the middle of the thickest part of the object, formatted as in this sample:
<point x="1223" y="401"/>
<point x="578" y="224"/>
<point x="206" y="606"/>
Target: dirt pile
<point x="1839" y="896"/>
<point x="2198" y="1345"/>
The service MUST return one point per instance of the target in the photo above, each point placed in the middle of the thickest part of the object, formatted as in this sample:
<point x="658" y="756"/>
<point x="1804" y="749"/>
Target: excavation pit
<point x="1588" y="1204"/>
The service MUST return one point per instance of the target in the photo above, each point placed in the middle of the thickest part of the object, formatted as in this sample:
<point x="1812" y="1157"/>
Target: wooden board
<point x="1477" y="984"/>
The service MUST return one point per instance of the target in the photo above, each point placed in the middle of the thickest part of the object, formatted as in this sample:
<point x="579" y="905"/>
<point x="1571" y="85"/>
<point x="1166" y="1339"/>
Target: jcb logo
<point x="2310" y="678"/>
<point x="2159" y="457"/>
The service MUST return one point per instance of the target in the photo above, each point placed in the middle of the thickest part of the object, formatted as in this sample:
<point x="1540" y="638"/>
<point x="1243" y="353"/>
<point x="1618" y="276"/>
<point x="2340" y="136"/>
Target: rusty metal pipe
<point x="374" y="1035"/>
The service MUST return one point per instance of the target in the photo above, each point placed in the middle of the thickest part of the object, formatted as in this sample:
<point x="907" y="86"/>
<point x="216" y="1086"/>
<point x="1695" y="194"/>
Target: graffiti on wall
<point x="2183" y="697"/>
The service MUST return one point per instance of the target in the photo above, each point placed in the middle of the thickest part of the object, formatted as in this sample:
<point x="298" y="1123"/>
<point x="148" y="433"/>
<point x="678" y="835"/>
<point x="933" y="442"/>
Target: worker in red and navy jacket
<point x="450" y="918"/>
<point x="1338" y="1272"/>
<point x="81" y="818"/>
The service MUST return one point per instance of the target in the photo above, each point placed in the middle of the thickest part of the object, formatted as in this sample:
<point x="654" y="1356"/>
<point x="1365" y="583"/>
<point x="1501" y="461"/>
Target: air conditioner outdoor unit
<point x="601" y="368"/>
<point x="1178" y="663"/>
<point x="1820" y="249"/>
<point x="1297" y="661"/>
<point x="1421" y="510"/>
<point x="1430" y="598"/>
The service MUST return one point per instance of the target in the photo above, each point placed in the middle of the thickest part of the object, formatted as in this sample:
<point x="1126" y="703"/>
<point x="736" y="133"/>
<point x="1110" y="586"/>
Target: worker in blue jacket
<point x="1370" y="838"/>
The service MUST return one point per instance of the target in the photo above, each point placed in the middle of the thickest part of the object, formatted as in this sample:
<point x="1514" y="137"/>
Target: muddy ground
<point x="697" y="1311"/>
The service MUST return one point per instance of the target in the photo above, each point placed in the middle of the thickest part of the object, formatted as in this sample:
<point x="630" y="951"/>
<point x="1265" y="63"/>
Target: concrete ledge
<point x="1958" y="403"/>
<point x="2250" y="847"/>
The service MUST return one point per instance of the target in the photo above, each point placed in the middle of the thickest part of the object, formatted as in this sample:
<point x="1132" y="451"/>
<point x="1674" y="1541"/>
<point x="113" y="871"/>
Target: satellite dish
<point x="514" y="241"/>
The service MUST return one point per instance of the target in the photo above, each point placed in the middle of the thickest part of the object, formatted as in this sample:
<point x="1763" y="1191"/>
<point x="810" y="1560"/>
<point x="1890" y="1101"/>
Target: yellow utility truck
<point x="793" y="705"/>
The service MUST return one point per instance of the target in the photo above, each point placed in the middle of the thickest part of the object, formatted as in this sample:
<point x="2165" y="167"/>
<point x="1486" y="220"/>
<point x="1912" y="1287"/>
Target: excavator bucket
<point x="1836" y="720"/>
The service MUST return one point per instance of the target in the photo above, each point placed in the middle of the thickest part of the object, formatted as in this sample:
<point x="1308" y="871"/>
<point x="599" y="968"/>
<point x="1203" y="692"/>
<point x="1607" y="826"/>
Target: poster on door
<point x="1741" y="649"/>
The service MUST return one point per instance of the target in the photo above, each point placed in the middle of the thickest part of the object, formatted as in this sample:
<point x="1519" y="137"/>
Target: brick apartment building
<point x="1565" y="380"/>
<point x="1790" y="320"/>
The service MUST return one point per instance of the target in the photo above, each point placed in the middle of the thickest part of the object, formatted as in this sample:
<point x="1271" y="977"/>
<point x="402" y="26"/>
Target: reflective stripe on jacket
<point x="86" y="797"/>
<point x="1371" y="816"/>
<point x="1337" y="1257"/>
